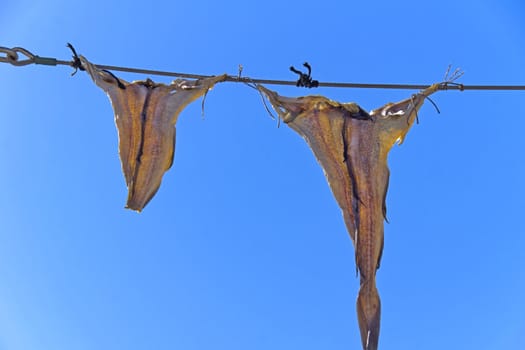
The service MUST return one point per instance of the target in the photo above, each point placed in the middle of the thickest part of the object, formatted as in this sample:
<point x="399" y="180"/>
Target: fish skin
<point x="145" y="116"/>
<point x="352" y="149"/>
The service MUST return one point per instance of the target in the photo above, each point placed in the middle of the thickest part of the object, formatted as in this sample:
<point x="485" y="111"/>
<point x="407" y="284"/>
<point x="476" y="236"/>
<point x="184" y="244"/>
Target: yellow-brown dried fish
<point x="145" y="115"/>
<point x="352" y="147"/>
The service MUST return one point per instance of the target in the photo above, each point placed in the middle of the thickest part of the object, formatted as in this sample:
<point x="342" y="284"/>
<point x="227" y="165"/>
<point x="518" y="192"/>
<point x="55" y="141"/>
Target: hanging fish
<point x="145" y="115"/>
<point x="351" y="146"/>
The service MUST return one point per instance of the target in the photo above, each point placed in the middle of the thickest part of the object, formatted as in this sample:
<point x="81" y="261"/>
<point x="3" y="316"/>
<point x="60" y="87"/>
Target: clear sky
<point x="244" y="247"/>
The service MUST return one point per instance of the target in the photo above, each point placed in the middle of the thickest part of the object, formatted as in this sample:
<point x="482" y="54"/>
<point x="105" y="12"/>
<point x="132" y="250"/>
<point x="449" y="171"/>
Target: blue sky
<point x="244" y="247"/>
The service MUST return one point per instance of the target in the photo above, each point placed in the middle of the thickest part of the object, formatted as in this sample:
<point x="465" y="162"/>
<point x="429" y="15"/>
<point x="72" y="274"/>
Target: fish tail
<point x="369" y="314"/>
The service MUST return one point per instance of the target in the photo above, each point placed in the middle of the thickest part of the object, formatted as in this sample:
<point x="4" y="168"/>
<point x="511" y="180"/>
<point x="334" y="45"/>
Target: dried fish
<point x="145" y="116"/>
<point x="352" y="147"/>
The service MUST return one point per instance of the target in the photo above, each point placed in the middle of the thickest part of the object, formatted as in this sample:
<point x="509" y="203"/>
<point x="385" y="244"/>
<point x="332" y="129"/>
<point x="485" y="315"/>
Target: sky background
<point x="244" y="247"/>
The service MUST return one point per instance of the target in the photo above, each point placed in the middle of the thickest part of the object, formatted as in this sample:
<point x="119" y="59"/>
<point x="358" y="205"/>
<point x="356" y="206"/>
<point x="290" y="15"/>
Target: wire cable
<point x="12" y="57"/>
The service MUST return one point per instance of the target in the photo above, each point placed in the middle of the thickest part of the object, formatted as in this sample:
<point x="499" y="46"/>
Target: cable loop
<point x="13" y="57"/>
<point x="10" y="55"/>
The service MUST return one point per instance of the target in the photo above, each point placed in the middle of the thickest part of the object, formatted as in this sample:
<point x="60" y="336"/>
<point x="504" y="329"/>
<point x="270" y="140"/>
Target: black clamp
<point x="305" y="79"/>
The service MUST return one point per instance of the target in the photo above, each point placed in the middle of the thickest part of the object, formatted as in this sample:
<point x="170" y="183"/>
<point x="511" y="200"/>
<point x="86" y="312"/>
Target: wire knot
<point x="77" y="64"/>
<point x="450" y="79"/>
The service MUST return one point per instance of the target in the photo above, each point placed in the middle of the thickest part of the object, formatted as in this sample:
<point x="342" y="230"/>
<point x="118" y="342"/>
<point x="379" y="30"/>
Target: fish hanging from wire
<point x="145" y="115"/>
<point x="351" y="146"/>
